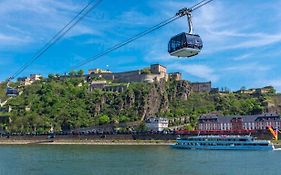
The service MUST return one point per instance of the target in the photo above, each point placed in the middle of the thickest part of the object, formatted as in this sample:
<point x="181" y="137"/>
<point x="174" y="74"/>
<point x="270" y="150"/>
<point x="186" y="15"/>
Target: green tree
<point x="51" y="76"/>
<point x="65" y="105"/>
<point x="142" y="127"/>
<point x="72" y="73"/>
<point x="80" y="72"/>
<point x="103" y="119"/>
<point x="123" y="118"/>
<point x="189" y="127"/>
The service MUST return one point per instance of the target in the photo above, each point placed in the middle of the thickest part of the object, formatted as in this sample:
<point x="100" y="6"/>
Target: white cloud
<point x="154" y="55"/>
<point x="134" y="17"/>
<point x="242" y="57"/>
<point x="259" y="41"/>
<point x="197" y="70"/>
<point x="249" y="67"/>
<point x="38" y="21"/>
<point x="223" y="29"/>
<point x="7" y="39"/>
<point x="10" y="40"/>
<point x="276" y="83"/>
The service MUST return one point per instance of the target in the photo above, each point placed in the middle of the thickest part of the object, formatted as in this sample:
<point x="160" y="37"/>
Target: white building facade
<point x="156" y="124"/>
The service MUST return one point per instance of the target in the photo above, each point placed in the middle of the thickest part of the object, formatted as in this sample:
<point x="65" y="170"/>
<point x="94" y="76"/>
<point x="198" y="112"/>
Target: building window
<point x="245" y="125"/>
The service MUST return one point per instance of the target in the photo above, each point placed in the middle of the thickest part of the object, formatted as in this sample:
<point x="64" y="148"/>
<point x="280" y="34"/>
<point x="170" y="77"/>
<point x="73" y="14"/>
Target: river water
<point x="133" y="160"/>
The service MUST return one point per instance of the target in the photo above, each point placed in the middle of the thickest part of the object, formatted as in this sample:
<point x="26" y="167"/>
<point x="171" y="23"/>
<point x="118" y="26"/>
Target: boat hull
<point x="257" y="148"/>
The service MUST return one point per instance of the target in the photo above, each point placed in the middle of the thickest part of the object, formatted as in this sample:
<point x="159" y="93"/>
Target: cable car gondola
<point x="11" y="92"/>
<point x="185" y="44"/>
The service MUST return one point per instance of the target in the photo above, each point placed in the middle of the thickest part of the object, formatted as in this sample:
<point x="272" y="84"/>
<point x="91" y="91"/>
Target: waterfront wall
<point x="111" y="136"/>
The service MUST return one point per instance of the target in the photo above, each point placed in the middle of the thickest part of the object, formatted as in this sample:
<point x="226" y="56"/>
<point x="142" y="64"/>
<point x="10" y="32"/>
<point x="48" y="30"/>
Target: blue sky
<point x="241" y="38"/>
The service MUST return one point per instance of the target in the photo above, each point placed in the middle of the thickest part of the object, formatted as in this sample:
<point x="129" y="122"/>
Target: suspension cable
<point x="178" y="15"/>
<point x="121" y="44"/>
<point x="82" y="14"/>
<point x="200" y="4"/>
<point x="74" y="21"/>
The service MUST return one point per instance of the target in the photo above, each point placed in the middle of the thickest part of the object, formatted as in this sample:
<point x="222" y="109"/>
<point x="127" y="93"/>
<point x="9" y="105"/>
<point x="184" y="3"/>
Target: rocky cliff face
<point x="144" y="100"/>
<point x="273" y="105"/>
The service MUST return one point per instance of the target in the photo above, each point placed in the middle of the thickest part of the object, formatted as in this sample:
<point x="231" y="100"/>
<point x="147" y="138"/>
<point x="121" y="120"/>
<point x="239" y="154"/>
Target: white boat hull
<point x="209" y="142"/>
<point x="257" y="148"/>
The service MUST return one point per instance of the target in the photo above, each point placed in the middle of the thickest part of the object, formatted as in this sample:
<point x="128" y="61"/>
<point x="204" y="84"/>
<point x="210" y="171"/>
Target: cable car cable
<point x="200" y="4"/>
<point x="56" y="35"/>
<point x="133" y="38"/>
<point x="44" y="49"/>
<point x="178" y="15"/>
<point x="88" y="8"/>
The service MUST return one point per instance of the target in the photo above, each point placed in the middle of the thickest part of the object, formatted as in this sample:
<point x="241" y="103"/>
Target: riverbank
<point x="86" y="142"/>
<point x="277" y="144"/>
<point x="114" y="139"/>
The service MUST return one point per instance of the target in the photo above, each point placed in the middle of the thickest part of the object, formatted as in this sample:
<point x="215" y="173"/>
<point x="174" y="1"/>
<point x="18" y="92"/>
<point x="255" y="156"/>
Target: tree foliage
<point x="68" y="104"/>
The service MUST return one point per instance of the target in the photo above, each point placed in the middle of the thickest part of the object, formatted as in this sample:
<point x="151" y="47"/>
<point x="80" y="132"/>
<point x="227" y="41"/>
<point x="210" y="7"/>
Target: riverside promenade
<point x="104" y="139"/>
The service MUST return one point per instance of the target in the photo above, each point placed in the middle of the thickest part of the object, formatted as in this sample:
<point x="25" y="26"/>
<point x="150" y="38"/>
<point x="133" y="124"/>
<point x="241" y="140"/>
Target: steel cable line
<point x="121" y="44"/>
<point x="200" y="4"/>
<point x="82" y="13"/>
<point x="181" y="13"/>
<point x="56" y="35"/>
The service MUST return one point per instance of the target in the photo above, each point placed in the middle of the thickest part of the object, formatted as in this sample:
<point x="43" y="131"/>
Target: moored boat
<point x="222" y="142"/>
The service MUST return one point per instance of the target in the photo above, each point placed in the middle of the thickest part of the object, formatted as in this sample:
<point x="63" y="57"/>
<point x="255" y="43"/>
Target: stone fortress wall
<point x="157" y="72"/>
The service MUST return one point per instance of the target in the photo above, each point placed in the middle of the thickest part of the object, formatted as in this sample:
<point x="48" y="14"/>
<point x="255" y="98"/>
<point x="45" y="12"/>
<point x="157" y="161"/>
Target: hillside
<point x="2" y="91"/>
<point x="274" y="104"/>
<point x="68" y="104"/>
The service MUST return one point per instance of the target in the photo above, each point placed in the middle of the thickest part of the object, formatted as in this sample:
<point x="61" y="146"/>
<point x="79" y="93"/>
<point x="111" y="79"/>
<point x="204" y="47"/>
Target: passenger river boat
<point x="222" y="142"/>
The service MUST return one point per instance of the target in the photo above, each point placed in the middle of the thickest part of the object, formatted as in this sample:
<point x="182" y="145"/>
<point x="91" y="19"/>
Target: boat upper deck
<point x="222" y="138"/>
